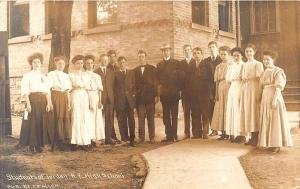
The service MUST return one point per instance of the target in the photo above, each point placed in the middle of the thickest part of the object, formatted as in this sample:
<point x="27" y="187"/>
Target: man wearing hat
<point x="169" y="75"/>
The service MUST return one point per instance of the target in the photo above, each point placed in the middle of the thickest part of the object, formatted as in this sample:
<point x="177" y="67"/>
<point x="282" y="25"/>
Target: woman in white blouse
<point x="233" y="109"/>
<point x="250" y="95"/>
<point x="94" y="90"/>
<point x="81" y="121"/>
<point x="274" y="130"/>
<point x="35" y="89"/>
<point x="60" y="85"/>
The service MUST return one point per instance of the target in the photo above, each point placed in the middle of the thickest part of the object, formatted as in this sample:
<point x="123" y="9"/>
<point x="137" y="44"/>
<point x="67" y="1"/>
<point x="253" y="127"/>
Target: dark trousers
<point x="143" y="111"/>
<point x="113" y="131"/>
<point x="109" y="120"/>
<point x="186" y="105"/>
<point x="200" y="117"/>
<point x="125" y="116"/>
<point x="170" y="118"/>
<point x="211" y="109"/>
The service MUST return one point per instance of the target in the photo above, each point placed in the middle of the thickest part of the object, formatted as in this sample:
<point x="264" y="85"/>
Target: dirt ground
<point x="268" y="171"/>
<point x="106" y="167"/>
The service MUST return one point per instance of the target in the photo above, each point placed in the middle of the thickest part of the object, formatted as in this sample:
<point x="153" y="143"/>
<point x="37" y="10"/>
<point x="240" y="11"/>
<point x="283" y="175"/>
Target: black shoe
<point x="38" y="149"/>
<point x="93" y="144"/>
<point x="117" y="141"/>
<point x="223" y="137"/>
<point x="186" y="137"/>
<point x="167" y="140"/>
<point x="111" y="142"/>
<point x="152" y="141"/>
<point x="196" y="137"/>
<point x="73" y="147"/>
<point x="131" y="143"/>
<point x="250" y="142"/>
<point x="213" y="133"/>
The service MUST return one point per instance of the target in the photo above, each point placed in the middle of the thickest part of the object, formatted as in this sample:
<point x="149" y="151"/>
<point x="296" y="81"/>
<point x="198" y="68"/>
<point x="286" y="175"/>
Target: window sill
<point x="227" y="34"/>
<point x="264" y="33"/>
<point x="103" y="29"/>
<point x="201" y="27"/>
<point x="46" y="36"/>
<point x="21" y="39"/>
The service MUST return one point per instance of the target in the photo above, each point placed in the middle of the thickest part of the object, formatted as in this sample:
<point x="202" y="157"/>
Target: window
<point x="18" y="18"/>
<point x="264" y="16"/>
<point x="200" y="12"/>
<point x="48" y="21"/>
<point x="102" y="12"/>
<point x="225" y="16"/>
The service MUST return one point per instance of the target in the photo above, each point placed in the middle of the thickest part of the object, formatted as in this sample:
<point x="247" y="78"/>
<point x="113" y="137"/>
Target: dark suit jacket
<point x="185" y="81"/>
<point x="214" y="64"/>
<point x="125" y="89"/>
<point x="110" y="66"/>
<point x="201" y="81"/>
<point x="146" y="84"/>
<point x="170" y="75"/>
<point x="108" y="82"/>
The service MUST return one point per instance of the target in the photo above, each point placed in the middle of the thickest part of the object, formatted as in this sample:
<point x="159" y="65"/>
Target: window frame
<point x="206" y="14"/>
<point x="230" y="15"/>
<point x="92" y="16"/>
<point x="9" y="17"/>
<point x="252" y="19"/>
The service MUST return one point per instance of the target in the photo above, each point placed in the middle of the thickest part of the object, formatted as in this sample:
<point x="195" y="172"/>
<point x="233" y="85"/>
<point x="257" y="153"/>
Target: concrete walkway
<point x="199" y="164"/>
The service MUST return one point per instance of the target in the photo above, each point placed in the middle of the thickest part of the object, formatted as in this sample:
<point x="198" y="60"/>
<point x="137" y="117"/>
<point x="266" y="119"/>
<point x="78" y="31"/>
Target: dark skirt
<point x="38" y="129"/>
<point x="62" y="118"/>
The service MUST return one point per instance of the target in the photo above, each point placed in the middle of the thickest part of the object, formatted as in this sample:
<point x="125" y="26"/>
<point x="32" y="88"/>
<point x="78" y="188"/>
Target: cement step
<point x="292" y="105"/>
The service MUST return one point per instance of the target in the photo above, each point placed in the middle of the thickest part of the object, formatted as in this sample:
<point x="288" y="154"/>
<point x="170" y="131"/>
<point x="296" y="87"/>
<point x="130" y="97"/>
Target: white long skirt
<point x="97" y="131"/>
<point x="233" y="109"/>
<point x="80" y="118"/>
<point x="274" y="125"/>
<point x="250" y="106"/>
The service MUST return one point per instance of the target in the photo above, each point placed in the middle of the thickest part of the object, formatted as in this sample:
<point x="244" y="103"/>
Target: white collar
<point x="166" y="59"/>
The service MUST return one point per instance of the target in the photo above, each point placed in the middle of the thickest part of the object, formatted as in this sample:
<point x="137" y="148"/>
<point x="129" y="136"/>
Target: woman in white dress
<point x="233" y="109"/>
<point x="222" y="86"/>
<point x="250" y="95"/>
<point x="94" y="90"/>
<point x="60" y="85"/>
<point x="274" y="125"/>
<point x="80" y="105"/>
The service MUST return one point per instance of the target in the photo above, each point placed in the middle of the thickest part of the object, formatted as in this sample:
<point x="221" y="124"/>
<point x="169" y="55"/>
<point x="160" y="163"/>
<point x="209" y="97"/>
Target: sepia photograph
<point x="150" y="94"/>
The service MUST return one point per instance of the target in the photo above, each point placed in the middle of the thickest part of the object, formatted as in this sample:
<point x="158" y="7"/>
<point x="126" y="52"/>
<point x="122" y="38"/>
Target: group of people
<point x="77" y="110"/>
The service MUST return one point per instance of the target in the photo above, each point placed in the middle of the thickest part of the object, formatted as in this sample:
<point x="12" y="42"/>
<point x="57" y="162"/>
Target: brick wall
<point x="141" y="24"/>
<point x="3" y="16"/>
<point x="196" y="35"/>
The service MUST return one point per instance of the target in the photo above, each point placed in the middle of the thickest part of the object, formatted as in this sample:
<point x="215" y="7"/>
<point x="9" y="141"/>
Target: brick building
<point x="126" y="26"/>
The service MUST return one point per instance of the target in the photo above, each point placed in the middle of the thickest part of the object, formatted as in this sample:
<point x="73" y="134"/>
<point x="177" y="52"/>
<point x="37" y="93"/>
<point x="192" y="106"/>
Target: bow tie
<point x="143" y="66"/>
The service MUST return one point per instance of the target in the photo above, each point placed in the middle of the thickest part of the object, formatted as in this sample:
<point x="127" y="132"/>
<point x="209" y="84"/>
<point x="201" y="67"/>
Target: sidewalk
<point x="199" y="164"/>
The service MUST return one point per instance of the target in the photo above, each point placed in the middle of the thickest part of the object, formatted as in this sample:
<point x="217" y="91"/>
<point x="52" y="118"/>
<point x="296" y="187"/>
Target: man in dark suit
<point x="113" y="65"/>
<point x="214" y="59"/>
<point x="113" y="60"/>
<point x="108" y="80"/>
<point x="146" y="87"/>
<point x="186" y="103"/>
<point x="170" y="75"/>
<point x="200" y="92"/>
<point x="125" y="100"/>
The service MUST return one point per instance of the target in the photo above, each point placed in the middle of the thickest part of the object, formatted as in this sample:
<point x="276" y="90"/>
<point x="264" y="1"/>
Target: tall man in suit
<point x="125" y="100"/>
<point x="200" y="92"/>
<point x="169" y="75"/>
<point x="214" y="59"/>
<point x="146" y="87"/>
<point x="186" y="102"/>
<point x="108" y="80"/>
<point x="113" y="65"/>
